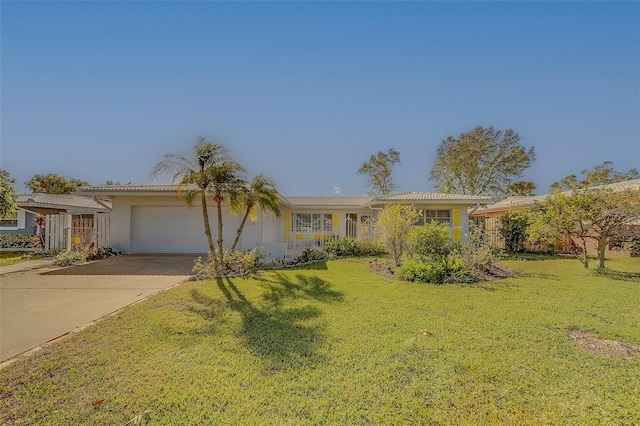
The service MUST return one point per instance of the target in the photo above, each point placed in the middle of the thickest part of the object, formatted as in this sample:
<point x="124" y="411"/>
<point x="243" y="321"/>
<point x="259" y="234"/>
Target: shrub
<point x="477" y="255"/>
<point x="430" y="241"/>
<point x="310" y="255"/>
<point x="342" y="247"/>
<point x="235" y="263"/>
<point x="514" y="227"/>
<point x="67" y="258"/>
<point x="392" y="225"/>
<point x="371" y="248"/>
<point x="413" y="270"/>
<point x="102" y="253"/>
<point x="447" y="269"/>
<point x="352" y="247"/>
<point x="17" y="241"/>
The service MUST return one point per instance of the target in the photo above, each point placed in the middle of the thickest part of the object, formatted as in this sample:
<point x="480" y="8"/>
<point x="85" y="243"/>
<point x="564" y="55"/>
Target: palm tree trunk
<point x="244" y="219"/>
<point x="207" y="227"/>
<point x="219" y="207"/>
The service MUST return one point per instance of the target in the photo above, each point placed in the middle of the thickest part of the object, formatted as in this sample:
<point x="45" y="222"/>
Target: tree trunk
<point x="585" y="258"/>
<point x="219" y="207"/>
<point x="207" y="227"/>
<point x="602" y="246"/>
<point x="240" y="228"/>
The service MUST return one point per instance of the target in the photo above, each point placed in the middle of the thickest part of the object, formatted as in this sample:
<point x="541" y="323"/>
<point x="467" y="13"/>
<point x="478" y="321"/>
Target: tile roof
<point x="60" y="201"/>
<point x="328" y="201"/>
<point x="433" y="196"/>
<point x="521" y="201"/>
<point x="128" y="188"/>
<point x="623" y="186"/>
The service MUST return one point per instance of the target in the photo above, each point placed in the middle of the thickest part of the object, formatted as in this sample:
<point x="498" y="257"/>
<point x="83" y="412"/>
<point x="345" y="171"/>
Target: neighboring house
<point x="153" y="219"/>
<point x="29" y="205"/>
<point x="490" y="215"/>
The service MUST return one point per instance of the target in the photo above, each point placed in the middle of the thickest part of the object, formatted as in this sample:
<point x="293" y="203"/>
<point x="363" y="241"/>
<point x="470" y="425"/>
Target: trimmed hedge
<point x="17" y="241"/>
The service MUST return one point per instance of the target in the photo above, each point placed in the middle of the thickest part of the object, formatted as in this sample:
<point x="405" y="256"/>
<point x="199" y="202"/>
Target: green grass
<point x="333" y="343"/>
<point x="11" y="258"/>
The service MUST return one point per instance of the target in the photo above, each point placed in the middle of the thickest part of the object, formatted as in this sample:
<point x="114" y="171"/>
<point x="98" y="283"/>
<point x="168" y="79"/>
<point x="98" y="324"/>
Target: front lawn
<point x="334" y="343"/>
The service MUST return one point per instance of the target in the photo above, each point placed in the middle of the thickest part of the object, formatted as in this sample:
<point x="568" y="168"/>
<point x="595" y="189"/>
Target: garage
<point x="175" y="229"/>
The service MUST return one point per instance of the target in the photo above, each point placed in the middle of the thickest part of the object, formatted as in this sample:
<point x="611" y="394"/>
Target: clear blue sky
<point x="305" y="92"/>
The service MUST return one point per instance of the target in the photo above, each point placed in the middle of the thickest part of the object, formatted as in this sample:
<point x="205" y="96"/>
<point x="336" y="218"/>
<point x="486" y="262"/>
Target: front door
<point x="351" y="225"/>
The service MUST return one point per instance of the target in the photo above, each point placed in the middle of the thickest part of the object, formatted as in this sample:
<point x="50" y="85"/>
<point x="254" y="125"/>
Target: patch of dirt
<point x="595" y="345"/>
<point x="383" y="269"/>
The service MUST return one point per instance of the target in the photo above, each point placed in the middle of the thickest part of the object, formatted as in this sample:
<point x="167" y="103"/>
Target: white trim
<point x="22" y="219"/>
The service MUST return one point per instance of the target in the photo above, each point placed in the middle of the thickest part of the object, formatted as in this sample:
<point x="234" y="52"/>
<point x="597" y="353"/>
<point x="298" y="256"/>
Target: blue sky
<point x="305" y="92"/>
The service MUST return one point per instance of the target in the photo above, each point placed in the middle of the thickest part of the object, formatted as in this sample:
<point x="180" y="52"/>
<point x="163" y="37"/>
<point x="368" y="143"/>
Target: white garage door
<point x="176" y="229"/>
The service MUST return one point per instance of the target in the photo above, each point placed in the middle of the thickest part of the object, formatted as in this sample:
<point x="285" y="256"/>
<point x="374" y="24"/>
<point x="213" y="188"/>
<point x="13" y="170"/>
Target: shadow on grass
<point x="277" y="331"/>
<point x="282" y="287"/>
<point x="619" y="275"/>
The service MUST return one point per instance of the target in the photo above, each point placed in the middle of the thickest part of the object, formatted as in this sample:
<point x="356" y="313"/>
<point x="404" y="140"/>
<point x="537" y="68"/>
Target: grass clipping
<point x="595" y="345"/>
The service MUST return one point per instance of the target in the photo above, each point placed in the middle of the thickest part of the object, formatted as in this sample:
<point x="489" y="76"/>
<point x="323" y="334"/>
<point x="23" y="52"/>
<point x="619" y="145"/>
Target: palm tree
<point x="260" y="192"/>
<point x="207" y="170"/>
<point x="226" y="178"/>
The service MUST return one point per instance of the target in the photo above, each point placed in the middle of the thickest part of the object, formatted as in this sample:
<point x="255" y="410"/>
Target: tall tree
<point x="600" y="175"/>
<point x="226" y="177"/>
<point x="480" y="162"/>
<point x="259" y="193"/>
<point x="596" y="213"/>
<point x="205" y="171"/>
<point x="8" y="195"/>
<point x="522" y="188"/>
<point x="378" y="170"/>
<point x="53" y="184"/>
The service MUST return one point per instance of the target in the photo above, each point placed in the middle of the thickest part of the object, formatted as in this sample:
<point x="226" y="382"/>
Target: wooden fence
<point x="66" y="232"/>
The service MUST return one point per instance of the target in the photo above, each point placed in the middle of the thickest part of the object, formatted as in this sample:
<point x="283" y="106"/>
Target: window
<point x="17" y="221"/>
<point x="439" y="216"/>
<point x="9" y="222"/>
<point x="312" y="222"/>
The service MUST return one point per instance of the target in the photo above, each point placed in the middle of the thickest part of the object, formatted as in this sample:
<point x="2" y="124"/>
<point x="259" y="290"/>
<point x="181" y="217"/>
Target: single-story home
<point x="29" y="205"/>
<point x="153" y="219"/>
<point x="490" y="214"/>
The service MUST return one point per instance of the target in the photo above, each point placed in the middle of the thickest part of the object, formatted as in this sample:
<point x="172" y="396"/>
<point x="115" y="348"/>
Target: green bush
<point x="17" y="241"/>
<point x="235" y="263"/>
<point x="447" y="269"/>
<point x="414" y="270"/>
<point x="371" y="248"/>
<point x="310" y="255"/>
<point x="350" y="247"/>
<point x="430" y="241"/>
<point x="513" y="228"/>
<point x="67" y="258"/>
<point x="342" y="247"/>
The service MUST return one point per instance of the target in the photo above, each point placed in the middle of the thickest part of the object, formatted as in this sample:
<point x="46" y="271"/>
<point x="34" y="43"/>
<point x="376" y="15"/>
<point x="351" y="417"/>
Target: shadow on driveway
<point x="135" y="264"/>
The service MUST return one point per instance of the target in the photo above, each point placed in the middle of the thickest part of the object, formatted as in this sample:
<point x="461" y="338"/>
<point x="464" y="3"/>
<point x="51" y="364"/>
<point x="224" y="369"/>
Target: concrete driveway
<point x="39" y="305"/>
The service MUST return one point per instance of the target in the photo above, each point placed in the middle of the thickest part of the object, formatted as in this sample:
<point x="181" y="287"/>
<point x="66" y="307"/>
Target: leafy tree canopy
<point x="7" y="195"/>
<point x="53" y="184"/>
<point x="600" y="175"/>
<point x="596" y="214"/>
<point x="480" y="162"/>
<point x="522" y="187"/>
<point x="378" y="170"/>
